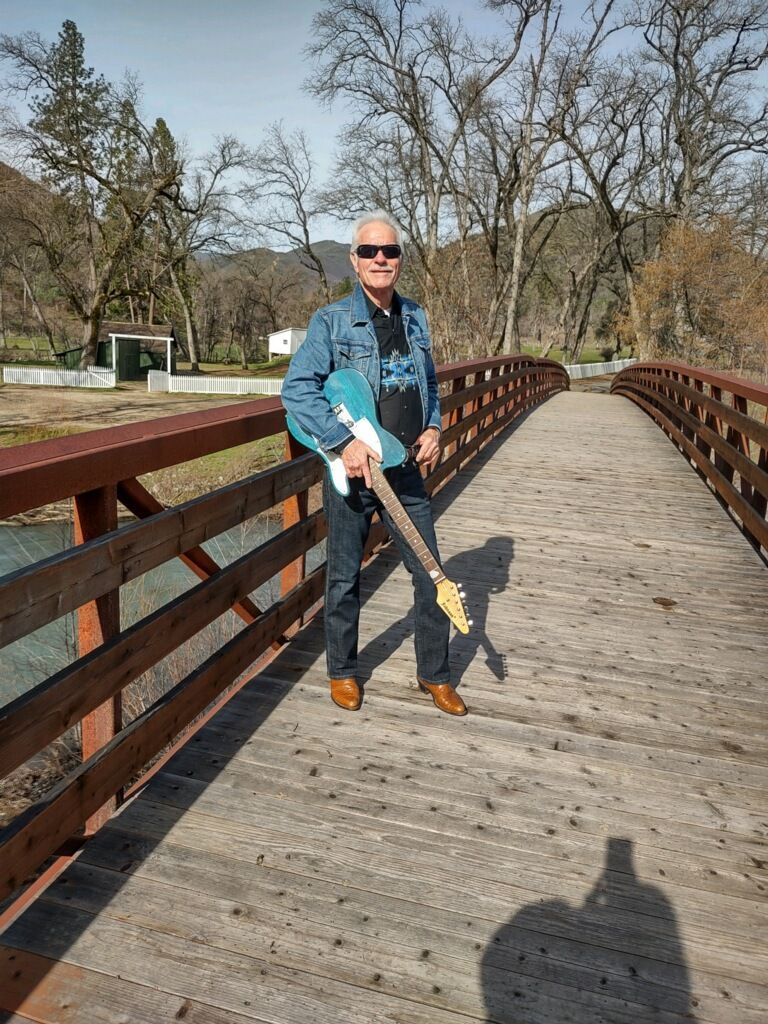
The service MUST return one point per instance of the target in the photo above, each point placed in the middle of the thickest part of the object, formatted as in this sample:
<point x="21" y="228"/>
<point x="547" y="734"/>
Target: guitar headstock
<point x="449" y="597"/>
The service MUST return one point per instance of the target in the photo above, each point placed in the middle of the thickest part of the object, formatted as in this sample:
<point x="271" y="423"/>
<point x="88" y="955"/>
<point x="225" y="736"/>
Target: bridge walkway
<point x="589" y="845"/>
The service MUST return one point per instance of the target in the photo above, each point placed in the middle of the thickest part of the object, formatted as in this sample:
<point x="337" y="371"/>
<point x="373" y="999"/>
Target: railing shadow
<point x="617" y="958"/>
<point x="129" y="844"/>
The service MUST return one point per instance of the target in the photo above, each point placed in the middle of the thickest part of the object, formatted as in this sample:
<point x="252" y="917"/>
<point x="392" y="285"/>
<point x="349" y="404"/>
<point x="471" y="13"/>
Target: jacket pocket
<point x="351" y="353"/>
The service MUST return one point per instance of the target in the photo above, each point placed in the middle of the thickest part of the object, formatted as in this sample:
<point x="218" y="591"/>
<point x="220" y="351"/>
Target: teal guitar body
<point x="350" y="396"/>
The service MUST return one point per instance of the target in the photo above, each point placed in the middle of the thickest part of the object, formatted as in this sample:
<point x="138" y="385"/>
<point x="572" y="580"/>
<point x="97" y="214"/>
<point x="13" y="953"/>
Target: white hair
<point x="376" y="217"/>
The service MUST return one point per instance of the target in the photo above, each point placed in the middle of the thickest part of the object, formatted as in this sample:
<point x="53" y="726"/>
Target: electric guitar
<point x="349" y="395"/>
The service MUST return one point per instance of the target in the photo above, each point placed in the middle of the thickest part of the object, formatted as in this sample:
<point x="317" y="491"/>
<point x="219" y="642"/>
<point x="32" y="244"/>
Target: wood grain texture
<point x="34" y="719"/>
<point x="31" y="597"/>
<point x="589" y="845"/>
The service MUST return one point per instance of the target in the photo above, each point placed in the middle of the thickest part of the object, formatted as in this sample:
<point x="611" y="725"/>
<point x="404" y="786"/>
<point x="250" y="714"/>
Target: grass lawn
<point x="271" y="368"/>
<point x="181" y="483"/>
<point x="17" y="341"/>
<point x="588" y="355"/>
<point x="10" y="436"/>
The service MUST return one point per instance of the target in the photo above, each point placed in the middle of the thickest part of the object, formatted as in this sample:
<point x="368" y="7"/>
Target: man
<point x="386" y="338"/>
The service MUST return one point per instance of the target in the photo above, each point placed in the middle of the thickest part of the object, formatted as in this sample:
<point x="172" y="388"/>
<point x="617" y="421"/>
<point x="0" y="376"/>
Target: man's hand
<point x="355" y="458"/>
<point x="429" y="447"/>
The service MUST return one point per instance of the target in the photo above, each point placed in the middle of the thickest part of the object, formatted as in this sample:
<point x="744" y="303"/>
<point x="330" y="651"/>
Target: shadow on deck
<point x="588" y="845"/>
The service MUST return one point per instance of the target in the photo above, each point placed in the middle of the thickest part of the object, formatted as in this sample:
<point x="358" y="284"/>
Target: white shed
<point x="285" y="343"/>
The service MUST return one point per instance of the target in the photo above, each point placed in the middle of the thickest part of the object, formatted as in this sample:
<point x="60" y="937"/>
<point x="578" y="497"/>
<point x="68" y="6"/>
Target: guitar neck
<point x="403" y="522"/>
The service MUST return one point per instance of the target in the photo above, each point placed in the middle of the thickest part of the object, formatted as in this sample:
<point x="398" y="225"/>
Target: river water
<point x="32" y="659"/>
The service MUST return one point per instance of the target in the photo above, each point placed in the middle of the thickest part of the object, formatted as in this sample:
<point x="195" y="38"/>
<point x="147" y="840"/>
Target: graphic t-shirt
<point x="400" y="409"/>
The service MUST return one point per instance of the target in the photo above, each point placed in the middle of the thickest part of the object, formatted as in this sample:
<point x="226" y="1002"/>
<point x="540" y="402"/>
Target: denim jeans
<point x="349" y="522"/>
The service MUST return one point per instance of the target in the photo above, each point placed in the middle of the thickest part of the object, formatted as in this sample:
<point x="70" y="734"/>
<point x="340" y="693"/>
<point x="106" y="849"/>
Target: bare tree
<point x="276" y="292"/>
<point x="283" y="204"/>
<point x="19" y="258"/>
<point x="707" y="116"/>
<point x="708" y="111"/>
<point x="579" y="253"/>
<point x="749" y="201"/>
<point x="415" y="81"/>
<point x="608" y="130"/>
<point x="198" y="219"/>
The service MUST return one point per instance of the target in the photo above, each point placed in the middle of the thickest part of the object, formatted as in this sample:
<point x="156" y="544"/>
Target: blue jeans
<point x="349" y="522"/>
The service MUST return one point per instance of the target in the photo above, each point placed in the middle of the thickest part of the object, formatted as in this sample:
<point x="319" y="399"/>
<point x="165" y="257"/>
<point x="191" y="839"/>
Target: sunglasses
<point x="368" y="252"/>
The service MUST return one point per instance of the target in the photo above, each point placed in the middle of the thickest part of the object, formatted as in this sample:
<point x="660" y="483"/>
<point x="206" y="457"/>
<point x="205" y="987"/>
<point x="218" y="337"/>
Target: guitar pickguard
<point x="350" y="396"/>
<point x="362" y="428"/>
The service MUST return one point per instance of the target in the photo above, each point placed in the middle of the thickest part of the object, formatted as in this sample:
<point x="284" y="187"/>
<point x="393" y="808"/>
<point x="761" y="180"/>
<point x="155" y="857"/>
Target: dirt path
<point x="24" y="406"/>
<point x="33" y="413"/>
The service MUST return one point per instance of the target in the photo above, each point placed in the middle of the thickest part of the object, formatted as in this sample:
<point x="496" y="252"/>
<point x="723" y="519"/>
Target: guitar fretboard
<point x="403" y="522"/>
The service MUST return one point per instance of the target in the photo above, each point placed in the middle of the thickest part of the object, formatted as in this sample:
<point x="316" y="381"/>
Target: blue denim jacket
<point x="342" y="335"/>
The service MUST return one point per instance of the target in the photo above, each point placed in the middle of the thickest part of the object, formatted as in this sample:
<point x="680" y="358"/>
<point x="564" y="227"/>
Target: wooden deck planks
<point x="589" y="845"/>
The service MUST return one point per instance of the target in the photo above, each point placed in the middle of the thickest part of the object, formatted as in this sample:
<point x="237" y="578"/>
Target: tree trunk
<point x="583" y="325"/>
<point x="230" y="343"/>
<point x="153" y="277"/>
<point x="188" y="320"/>
<point x="36" y="309"/>
<point x="634" y="312"/>
<point x="3" y="334"/>
<point x="550" y="343"/>
<point x="90" y="338"/>
<point x="641" y="335"/>
<point x="130" y="300"/>
<point x="511" y="330"/>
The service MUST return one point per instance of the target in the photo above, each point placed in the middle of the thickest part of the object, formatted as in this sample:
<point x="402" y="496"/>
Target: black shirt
<point x="400" y="408"/>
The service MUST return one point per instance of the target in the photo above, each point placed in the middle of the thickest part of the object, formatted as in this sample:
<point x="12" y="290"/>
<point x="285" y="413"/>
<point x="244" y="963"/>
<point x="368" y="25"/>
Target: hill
<point x="333" y="255"/>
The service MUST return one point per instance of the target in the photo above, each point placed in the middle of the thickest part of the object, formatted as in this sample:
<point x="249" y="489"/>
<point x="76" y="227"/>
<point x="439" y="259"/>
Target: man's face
<point x="377" y="273"/>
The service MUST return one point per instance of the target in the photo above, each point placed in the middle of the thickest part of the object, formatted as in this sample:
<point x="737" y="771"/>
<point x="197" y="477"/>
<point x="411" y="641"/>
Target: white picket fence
<point x="204" y="384"/>
<point x="578" y="371"/>
<point x="157" y="380"/>
<point x="92" y="377"/>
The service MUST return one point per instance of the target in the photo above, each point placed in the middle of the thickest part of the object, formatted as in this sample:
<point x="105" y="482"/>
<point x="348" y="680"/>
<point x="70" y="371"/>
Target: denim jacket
<point x="342" y="335"/>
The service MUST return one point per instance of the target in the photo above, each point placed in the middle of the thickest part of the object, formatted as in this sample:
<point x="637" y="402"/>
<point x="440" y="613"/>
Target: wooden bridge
<point x="589" y="845"/>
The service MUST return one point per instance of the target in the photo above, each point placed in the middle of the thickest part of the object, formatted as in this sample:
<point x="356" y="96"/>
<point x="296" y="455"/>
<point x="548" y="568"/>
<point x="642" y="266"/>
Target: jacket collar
<point x="359" y="313"/>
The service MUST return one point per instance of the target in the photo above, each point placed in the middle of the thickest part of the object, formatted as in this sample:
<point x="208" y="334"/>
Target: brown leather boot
<point x="444" y="696"/>
<point x="346" y="693"/>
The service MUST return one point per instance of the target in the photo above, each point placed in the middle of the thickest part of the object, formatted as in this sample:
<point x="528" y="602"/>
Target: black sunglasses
<point x="368" y="252"/>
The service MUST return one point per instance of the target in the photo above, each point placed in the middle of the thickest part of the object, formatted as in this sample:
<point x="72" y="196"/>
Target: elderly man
<point x="385" y="337"/>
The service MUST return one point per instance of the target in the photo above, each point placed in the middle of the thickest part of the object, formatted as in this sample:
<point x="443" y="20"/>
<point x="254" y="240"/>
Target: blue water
<point x="32" y="659"/>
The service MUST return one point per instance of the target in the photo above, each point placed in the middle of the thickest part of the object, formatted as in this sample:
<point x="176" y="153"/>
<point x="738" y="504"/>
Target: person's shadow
<point x="482" y="572"/>
<point x="616" y="959"/>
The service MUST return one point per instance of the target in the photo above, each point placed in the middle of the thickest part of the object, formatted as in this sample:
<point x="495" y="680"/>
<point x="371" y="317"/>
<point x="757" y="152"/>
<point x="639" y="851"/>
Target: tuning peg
<point x="462" y="595"/>
<point x="470" y="622"/>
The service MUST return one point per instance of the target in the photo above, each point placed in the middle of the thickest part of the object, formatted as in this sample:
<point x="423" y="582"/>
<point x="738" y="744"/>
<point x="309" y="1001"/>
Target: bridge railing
<point x="720" y="422"/>
<point x="100" y="468"/>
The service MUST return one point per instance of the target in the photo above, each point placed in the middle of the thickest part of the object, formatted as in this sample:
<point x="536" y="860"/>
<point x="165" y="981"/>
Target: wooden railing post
<point x="456" y="414"/>
<point x="295" y="508"/>
<point x="95" y="513"/>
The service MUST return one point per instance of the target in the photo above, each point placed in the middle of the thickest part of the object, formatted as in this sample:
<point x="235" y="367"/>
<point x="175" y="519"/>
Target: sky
<point x="211" y="67"/>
